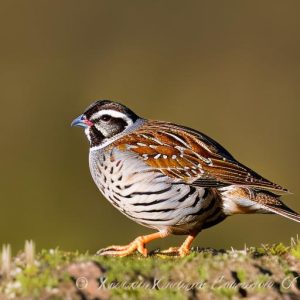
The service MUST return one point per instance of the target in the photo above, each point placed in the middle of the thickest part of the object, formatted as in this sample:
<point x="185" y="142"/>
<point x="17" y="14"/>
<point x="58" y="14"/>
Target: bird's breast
<point x="145" y="195"/>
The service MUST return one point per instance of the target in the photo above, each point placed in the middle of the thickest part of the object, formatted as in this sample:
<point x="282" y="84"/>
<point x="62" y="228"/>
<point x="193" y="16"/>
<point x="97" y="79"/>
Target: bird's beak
<point x="82" y="121"/>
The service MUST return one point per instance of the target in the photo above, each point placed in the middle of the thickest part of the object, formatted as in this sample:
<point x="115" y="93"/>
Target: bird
<point x="170" y="178"/>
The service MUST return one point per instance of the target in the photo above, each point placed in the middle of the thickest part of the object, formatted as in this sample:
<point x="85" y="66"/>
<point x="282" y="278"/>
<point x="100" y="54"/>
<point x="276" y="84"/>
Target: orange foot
<point x="182" y="251"/>
<point x="138" y="244"/>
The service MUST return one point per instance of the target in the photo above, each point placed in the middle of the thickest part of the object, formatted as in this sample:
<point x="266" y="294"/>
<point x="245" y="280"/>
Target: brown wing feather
<point x="188" y="155"/>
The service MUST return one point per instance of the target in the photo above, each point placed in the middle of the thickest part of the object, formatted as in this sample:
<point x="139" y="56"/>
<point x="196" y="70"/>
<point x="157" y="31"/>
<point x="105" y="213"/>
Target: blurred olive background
<point x="230" y="69"/>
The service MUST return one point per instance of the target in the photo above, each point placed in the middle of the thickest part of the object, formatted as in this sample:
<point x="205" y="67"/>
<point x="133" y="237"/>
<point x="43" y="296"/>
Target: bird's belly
<point x="149" y="197"/>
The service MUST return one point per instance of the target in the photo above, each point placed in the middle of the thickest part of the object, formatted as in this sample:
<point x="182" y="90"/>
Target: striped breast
<point x="149" y="197"/>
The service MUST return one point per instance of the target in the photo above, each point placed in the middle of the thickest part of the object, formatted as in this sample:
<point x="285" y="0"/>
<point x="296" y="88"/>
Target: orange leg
<point x="183" y="250"/>
<point x="138" y="244"/>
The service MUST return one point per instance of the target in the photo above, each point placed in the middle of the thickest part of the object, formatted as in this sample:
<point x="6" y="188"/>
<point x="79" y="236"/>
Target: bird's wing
<point x="190" y="156"/>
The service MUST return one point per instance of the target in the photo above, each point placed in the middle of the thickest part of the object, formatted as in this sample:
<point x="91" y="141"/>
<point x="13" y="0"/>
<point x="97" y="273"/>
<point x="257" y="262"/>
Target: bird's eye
<point x="105" y="118"/>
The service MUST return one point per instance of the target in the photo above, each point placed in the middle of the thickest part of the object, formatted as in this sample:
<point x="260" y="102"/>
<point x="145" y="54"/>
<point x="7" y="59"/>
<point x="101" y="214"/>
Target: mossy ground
<point x="267" y="272"/>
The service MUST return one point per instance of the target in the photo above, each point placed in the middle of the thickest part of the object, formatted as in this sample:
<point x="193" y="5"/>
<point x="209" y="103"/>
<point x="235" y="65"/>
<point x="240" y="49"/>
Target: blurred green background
<point x="230" y="69"/>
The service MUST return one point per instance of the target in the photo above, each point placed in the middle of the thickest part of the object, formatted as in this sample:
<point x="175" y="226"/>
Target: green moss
<point x="260" y="251"/>
<point x="242" y="275"/>
<point x="295" y="250"/>
<point x="118" y="268"/>
<point x="278" y="249"/>
<point x="140" y="294"/>
<point x="126" y="294"/>
<point x="262" y="278"/>
<point x="55" y="257"/>
<point x="203" y="272"/>
<point x="225" y="293"/>
<point x="34" y="285"/>
<point x="169" y="294"/>
<point x="275" y="249"/>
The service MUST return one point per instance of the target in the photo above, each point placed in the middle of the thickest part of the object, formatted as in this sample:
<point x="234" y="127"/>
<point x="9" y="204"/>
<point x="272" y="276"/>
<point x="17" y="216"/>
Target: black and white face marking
<point x="104" y="121"/>
<point x="110" y="122"/>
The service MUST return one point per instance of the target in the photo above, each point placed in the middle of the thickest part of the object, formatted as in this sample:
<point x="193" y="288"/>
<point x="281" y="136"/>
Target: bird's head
<point x="104" y="121"/>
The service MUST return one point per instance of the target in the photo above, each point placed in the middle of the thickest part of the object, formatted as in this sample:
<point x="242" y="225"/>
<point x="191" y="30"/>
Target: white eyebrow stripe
<point x="113" y="113"/>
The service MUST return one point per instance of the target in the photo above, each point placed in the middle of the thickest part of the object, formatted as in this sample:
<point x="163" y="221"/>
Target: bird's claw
<point x="136" y="245"/>
<point x="176" y="251"/>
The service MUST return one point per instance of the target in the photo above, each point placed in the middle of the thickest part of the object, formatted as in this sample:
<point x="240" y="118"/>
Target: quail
<point x="169" y="177"/>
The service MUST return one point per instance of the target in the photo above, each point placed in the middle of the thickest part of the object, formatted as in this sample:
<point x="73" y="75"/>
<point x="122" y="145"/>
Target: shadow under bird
<point x="169" y="177"/>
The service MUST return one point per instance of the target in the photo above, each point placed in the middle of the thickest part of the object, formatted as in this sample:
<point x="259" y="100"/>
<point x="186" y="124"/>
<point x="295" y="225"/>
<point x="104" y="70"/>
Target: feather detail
<point x="240" y="200"/>
<point x="272" y="203"/>
<point x="283" y="211"/>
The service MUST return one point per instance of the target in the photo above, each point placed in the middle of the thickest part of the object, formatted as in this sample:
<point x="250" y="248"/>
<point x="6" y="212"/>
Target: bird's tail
<point x="271" y="203"/>
<point x="237" y="200"/>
